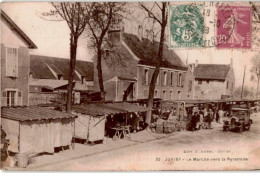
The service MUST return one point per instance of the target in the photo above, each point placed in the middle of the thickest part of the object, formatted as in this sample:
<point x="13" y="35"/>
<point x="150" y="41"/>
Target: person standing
<point x="220" y="115"/>
<point x="211" y="117"/>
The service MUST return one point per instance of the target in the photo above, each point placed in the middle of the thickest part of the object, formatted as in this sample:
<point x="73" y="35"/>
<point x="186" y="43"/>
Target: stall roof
<point x="33" y="113"/>
<point x="95" y="110"/>
<point x="108" y="108"/>
<point x="212" y="101"/>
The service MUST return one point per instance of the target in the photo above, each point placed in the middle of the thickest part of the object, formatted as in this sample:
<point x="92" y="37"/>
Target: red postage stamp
<point x="234" y="27"/>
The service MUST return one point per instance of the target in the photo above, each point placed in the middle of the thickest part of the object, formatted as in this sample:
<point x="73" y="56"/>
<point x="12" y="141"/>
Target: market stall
<point x="36" y="129"/>
<point x="91" y="121"/>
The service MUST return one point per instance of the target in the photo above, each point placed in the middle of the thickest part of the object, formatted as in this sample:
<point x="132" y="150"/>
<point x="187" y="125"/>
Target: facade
<point x="128" y="64"/>
<point x="15" y="63"/>
<point x="49" y="76"/>
<point x="213" y="81"/>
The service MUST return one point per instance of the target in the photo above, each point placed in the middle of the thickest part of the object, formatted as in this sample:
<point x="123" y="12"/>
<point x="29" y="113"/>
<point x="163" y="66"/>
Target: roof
<point x="33" y="113"/>
<point x="211" y="71"/>
<point x="127" y="79"/>
<point x="239" y="109"/>
<point x="18" y="30"/>
<point x="147" y="52"/>
<point x="49" y="83"/>
<point x="97" y="109"/>
<point x="39" y="68"/>
<point x="197" y="101"/>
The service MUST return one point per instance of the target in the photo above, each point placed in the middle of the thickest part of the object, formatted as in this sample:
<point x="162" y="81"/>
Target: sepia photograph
<point x="130" y="86"/>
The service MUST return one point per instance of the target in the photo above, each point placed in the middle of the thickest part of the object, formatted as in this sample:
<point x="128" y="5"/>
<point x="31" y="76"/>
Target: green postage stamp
<point x="186" y="26"/>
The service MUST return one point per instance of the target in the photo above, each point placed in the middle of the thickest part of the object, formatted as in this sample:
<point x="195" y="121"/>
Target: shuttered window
<point x="12" y="62"/>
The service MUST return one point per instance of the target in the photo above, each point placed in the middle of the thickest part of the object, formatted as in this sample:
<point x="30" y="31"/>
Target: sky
<point x="52" y="39"/>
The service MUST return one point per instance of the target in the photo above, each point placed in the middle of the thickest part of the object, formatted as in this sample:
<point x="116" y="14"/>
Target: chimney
<point x="231" y="62"/>
<point x="140" y="32"/>
<point x="115" y="33"/>
<point x="150" y="35"/>
<point x="192" y="66"/>
<point x="196" y="63"/>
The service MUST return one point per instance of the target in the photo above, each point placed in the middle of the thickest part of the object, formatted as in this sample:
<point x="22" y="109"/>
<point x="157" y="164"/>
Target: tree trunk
<point x="73" y="54"/>
<point x="100" y="74"/>
<point x="157" y="68"/>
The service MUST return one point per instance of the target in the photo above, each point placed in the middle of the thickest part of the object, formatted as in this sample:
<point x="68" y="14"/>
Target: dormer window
<point x="60" y="77"/>
<point x="82" y="79"/>
<point x="106" y="53"/>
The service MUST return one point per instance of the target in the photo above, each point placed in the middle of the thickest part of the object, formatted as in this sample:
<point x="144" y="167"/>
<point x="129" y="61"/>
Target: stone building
<point x="128" y="64"/>
<point x="213" y="81"/>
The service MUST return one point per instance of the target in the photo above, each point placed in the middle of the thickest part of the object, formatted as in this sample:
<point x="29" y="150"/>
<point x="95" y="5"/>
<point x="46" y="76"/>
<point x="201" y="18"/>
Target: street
<point x="199" y="150"/>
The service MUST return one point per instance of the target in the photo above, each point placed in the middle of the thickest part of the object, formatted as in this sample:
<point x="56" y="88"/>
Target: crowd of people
<point x="205" y="116"/>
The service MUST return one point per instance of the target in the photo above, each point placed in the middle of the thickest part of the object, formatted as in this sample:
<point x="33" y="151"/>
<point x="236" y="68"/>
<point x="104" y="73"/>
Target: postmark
<point x="186" y="26"/>
<point x="233" y="28"/>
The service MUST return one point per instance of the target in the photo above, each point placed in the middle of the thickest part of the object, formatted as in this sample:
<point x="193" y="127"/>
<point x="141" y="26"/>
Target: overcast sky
<point x="52" y="39"/>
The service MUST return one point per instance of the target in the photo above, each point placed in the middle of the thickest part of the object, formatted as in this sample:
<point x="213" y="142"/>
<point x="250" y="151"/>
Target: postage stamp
<point x="186" y="26"/>
<point x="233" y="27"/>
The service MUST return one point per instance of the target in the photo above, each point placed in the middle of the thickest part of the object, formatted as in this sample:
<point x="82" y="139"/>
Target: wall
<point x="212" y="90"/>
<point x="119" y="63"/>
<point x="22" y="82"/>
<point x="36" y="98"/>
<point x="188" y="94"/>
<point x="141" y="88"/>
<point x="215" y="88"/>
<point x="230" y="79"/>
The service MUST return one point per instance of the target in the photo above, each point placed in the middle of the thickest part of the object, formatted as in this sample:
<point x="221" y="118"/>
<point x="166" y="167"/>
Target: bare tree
<point x="255" y="70"/>
<point x="103" y="15"/>
<point x="158" y="12"/>
<point x="76" y="16"/>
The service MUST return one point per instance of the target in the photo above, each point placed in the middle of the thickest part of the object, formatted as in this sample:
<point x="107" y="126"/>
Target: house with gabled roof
<point x="128" y="64"/>
<point x="15" y="63"/>
<point x="213" y="81"/>
<point x="50" y="74"/>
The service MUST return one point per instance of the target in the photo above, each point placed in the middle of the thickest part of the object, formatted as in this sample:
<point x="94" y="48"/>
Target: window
<point x="156" y="94"/>
<point x="200" y="82"/>
<point x="172" y="74"/>
<point x="179" y="95"/>
<point x="190" y="86"/>
<point x="12" y="98"/>
<point x="207" y="81"/>
<point x="157" y="80"/>
<point x="146" y="76"/>
<point x="171" y="95"/>
<point x="107" y="53"/>
<point x="12" y="62"/>
<point x="145" y="93"/>
<point x="164" y="78"/>
<point x="227" y="84"/>
<point x="164" y="94"/>
<point x="179" y="79"/>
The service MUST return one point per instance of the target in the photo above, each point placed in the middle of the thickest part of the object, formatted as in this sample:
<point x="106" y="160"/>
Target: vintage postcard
<point x="130" y="86"/>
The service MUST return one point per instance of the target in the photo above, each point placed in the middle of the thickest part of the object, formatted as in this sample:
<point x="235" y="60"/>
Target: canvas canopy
<point x="90" y="123"/>
<point x="36" y="129"/>
<point x="98" y="109"/>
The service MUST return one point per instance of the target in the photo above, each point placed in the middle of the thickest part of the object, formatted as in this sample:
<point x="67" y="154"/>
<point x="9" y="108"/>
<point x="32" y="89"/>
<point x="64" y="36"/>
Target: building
<point x="49" y="76"/>
<point x="213" y="81"/>
<point x="15" y="63"/>
<point x="128" y="64"/>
